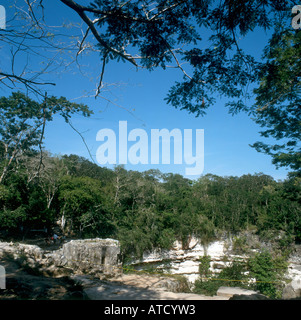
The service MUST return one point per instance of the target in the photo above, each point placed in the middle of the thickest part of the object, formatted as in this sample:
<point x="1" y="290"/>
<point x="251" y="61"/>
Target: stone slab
<point x="231" y="291"/>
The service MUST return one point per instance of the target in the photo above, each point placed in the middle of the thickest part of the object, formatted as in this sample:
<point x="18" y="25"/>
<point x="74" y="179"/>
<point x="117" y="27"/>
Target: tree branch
<point x="23" y="80"/>
<point x="81" y="12"/>
<point x="101" y="75"/>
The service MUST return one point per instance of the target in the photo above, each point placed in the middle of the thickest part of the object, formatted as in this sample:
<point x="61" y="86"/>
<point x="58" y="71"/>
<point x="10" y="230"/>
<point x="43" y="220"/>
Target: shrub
<point x="231" y="276"/>
<point x="269" y="273"/>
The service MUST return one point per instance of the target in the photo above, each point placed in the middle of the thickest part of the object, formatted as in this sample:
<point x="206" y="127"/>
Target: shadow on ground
<point x="24" y="285"/>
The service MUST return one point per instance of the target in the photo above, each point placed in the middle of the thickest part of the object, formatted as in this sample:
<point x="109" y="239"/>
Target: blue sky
<point x="138" y="98"/>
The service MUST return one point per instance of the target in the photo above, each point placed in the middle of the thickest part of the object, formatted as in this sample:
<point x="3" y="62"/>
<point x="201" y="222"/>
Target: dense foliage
<point x="143" y="210"/>
<point x="278" y="101"/>
<point x="263" y="272"/>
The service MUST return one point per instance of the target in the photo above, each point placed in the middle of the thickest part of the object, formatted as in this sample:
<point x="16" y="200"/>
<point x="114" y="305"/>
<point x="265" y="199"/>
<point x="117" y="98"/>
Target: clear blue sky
<point x="140" y="99"/>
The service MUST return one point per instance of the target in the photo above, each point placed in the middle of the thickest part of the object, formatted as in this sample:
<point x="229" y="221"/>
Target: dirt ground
<point x="135" y="287"/>
<point x="23" y="284"/>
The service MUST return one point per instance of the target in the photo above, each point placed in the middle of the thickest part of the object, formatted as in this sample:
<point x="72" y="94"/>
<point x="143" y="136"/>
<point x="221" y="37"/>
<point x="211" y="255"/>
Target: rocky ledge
<point x="185" y="262"/>
<point x="92" y="256"/>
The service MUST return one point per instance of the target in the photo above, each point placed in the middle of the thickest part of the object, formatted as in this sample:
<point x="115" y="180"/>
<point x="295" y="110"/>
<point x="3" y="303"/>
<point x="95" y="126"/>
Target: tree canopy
<point x="150" y="210"/>
<point x="202" y="35"/>
<point x="144" y="210"/>
<point x="23" y="122"/>
<point x="278" y="100"/>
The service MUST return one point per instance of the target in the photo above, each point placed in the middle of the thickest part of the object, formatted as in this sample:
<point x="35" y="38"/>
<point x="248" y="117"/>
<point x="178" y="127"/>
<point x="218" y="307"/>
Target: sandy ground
<point x="135" y="287"/>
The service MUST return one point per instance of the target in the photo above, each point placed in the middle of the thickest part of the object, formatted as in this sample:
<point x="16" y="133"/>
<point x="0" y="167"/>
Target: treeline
<point x="143" y="210"/>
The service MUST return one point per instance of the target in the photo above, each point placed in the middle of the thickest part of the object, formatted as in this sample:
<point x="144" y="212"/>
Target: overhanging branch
<point x="80" y="10"/>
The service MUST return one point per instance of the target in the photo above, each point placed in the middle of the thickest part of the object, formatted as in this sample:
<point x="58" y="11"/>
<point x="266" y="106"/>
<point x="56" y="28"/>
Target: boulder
<point x="93" y="256"/>
<point x="231" y="291"/>
<point x="292" y="290"/>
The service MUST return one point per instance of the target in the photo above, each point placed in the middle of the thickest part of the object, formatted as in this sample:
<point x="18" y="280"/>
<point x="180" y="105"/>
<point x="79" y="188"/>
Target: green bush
<point x="269" y="273"/>
<point x="234" y="275"/>
<point x="231" y="276"/>
<point x="204" y="266"/>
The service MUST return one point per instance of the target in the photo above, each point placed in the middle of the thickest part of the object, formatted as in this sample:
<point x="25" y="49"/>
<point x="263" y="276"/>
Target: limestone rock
<point x="93" y="255"/>
<point x="292" y="290"/>
<point x="231" y="291"/>
<point x="185" y="262"/>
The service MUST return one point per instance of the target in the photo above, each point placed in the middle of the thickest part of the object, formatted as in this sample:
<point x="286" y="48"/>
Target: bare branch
<point x="27" y="82"/>
<point x="101" y="75"/>
<point x="32" y="14"/>
<point x="70" y="124"/>
<point x="42" y="135"/>
<point x="81" y="48"/>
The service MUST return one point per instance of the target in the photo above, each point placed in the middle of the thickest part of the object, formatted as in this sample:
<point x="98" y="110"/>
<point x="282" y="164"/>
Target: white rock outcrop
<point x="91" y="256"/>
<point x="101" y="256"/>
<point x="186" y="262"/>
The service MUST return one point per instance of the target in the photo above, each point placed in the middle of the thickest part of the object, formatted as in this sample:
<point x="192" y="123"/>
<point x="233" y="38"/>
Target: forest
<point x="207" y="43"/>
<point x="246" y="52"/>
<point x="143" y="210"/>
